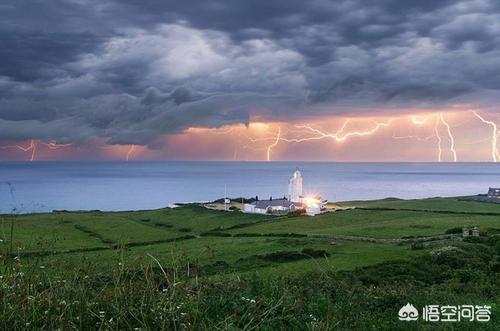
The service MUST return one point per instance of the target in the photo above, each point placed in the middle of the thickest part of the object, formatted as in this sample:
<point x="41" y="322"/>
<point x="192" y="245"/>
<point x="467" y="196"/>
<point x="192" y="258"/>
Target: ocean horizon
<point x="29" y="187"/>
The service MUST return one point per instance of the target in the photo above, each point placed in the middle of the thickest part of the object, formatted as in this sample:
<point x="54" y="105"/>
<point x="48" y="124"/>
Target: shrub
<point x="417" y="245"/>
<point x="293" y="235"/>
<point x="454" y="230"/>
<point x="290" y="256"/>
<point x="315" y="252"/>
<point x="493" y="230"/>
<point x="475" y="240"/>
<point x="298" y="212"/>
<point x="420" y="226"/>
<point x="495" y="267"/>
<point x="163" y="225"/>
<point x="283" y="256"/>
<point x="215" y="234"/>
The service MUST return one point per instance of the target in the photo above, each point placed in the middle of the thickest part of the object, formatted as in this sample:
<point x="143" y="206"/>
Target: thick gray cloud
<point x="132" y="70"/>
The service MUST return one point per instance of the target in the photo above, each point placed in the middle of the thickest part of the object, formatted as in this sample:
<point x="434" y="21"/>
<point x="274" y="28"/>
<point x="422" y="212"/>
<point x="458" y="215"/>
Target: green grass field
<point x="460" y="204"/>
<point x="204" y="237"/>
<point x="231" y="248"/>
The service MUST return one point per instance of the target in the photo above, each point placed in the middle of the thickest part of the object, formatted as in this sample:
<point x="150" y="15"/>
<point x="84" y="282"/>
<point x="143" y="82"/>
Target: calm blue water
<point x="44" y="186"/>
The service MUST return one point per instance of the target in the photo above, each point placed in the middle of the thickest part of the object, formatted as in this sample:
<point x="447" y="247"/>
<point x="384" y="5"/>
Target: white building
<point x="272" y="206"/>
<point x="295" y="187"/>
<point x="312" y="205"/>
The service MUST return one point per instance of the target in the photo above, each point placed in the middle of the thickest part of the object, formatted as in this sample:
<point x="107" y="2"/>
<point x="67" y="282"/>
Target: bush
<point x="283" y="256"/>
<point x="475" y="240"/>
<point x="298" y="212"/>
<point x="315" y="252"/>
<point x="163" y="225"/>
<point x="215" y="234"/>
<point x="454" y="230"/>
<point x="293" y="235"/>
<point x="493" y="230"/>
<point x="289" y="256"/>
<point x="248" y="235"/>
<point x="417" y="245"/>
<point x="420" y="226"/>
<point x="495" y="267"/>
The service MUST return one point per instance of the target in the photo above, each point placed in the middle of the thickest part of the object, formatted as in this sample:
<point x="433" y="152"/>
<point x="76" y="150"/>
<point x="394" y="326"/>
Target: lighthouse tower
<point x="295" y="187"/>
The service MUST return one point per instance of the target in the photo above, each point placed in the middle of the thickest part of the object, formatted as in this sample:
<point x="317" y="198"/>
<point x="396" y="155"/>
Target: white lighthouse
<point x="295" y="187"/>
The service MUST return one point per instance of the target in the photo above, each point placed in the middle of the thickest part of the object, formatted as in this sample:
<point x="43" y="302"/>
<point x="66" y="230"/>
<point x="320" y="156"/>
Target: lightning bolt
<point x="274" y="144"/>
<point x="415" y="137"/>
<point x="31" y="147"/>
<point x="129" y="152"/>
<point x="450" y="137"/>
<point x="54" y="145"/>
<point x="440" y="120"/>
<point x="316" y="134"/>
<point x="494" y="137"/>
<point x="436" y="131"/>
<point x="339" y="136"/>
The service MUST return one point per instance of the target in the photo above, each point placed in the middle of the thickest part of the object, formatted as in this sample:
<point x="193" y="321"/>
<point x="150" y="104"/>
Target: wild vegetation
<point x="194" y="268"/>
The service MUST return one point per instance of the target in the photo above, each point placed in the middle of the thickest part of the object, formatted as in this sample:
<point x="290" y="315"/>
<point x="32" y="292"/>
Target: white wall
<point x="248" y="208"/>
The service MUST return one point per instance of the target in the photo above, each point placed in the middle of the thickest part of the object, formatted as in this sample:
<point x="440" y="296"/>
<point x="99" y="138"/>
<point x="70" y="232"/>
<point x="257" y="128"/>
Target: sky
<point x="344" y="80"/>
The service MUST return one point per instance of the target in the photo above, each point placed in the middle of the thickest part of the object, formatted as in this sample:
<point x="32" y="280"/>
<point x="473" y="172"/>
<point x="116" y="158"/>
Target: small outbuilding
<point x="470" y="231"/>
<point x="494" y="192"/>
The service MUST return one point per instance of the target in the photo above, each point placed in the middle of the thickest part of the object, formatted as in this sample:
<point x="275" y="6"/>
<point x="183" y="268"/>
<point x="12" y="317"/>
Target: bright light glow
<point x="259" y="126"/>
<point x="311" y="201"/>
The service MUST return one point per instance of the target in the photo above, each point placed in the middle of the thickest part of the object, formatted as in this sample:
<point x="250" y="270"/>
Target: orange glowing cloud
<point x="428" y="135"/>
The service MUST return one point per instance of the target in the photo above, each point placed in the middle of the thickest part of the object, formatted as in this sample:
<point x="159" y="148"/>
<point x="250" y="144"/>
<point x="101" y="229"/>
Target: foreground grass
<point x="193" y="268"/>
<point x="157" y="297"/>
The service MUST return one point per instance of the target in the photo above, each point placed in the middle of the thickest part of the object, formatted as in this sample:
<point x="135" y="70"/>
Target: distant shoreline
<point x="473" y="198"/>
<point x="116" y="186"/>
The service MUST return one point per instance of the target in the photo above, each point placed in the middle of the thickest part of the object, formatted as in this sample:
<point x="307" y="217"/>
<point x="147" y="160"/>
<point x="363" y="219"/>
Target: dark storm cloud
<point x="135" y="70"/>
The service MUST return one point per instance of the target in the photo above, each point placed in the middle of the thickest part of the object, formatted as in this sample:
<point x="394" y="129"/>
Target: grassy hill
<point x="235" y="270"/>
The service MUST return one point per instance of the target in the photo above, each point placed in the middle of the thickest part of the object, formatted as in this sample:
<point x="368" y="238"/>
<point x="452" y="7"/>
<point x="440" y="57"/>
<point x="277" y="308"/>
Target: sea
<point x="27" y="187"/>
